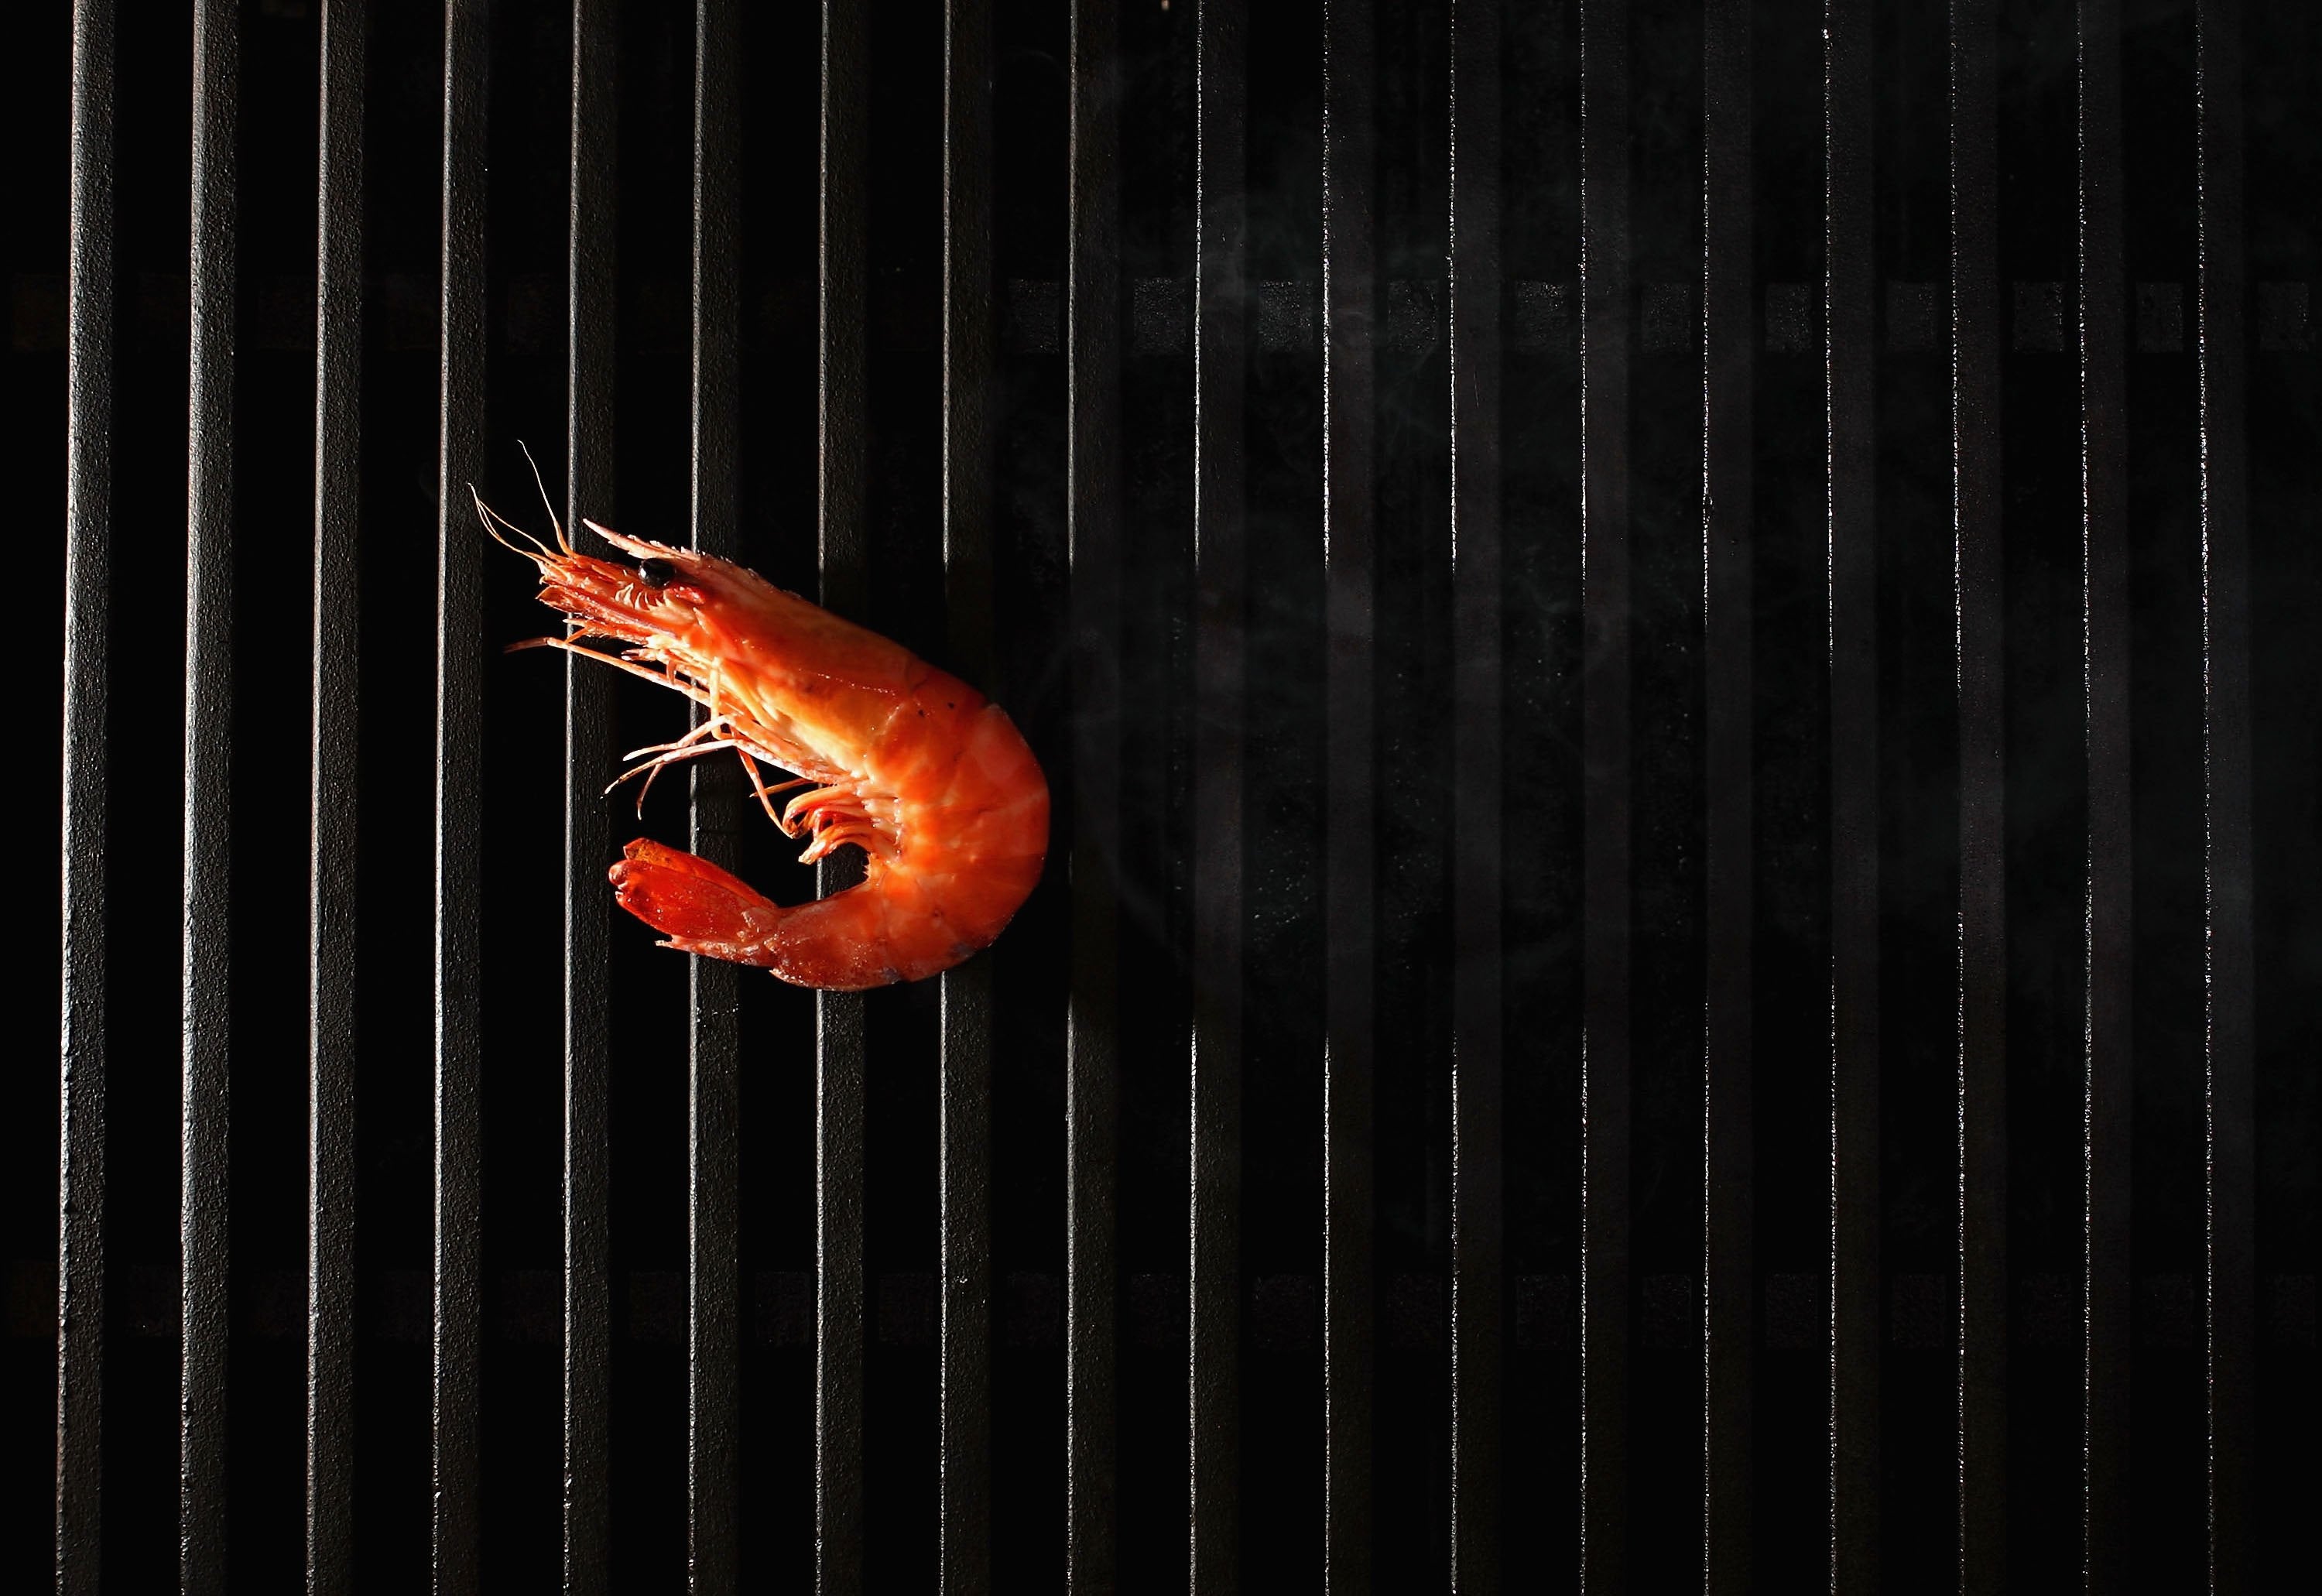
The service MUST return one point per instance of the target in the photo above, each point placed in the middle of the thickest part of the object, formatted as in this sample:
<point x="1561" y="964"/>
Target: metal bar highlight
<point x="713" y="1036"/>
<point x="87" y="727"/>
<point x="1727" y="444"/>
<point x="334" y="810"/>
<point x="1605" y="343"/>
<point x="1980" y="597"/>
<point x="587" y="834"/>
<point x="1092" y="1055"/>
<point x="1477" y="1289"/>
<point x="1349" y="576"/>
<point x="201" y="1235"/>
<point x="1850" y="394"/>
<point x="2230" y="1166"/>
<point x="2108" y="1106"/>
<point x="1220" y="579"/>
<point x="456" y="1342"/>
<point x="970" y="362"/>
<point x="844" y="553"/>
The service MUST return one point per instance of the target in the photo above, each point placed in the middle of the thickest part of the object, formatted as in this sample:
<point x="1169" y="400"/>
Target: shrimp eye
<point x="661" y="573"/>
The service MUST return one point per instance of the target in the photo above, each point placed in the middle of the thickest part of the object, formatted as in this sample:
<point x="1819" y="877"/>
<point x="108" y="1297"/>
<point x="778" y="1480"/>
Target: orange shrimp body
<point x="932" y="781"/>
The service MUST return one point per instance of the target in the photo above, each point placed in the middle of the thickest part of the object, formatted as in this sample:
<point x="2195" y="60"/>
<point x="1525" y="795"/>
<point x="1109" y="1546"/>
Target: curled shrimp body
<point x="910" y="764"/>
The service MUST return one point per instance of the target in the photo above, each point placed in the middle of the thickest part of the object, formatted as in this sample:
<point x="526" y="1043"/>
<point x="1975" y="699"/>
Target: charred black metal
<point x="1671" y="947"/>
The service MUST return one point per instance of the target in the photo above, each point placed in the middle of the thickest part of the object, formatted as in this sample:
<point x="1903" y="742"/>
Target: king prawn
<point x="906" y="762"/>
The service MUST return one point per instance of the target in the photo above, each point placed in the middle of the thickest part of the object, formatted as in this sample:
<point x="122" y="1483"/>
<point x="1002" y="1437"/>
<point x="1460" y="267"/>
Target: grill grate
<point x="1654" y="967"/>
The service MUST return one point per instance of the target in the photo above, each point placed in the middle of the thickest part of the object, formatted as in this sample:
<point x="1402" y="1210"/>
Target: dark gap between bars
<point x="1728" y="441"/>
<point x="1476" y="1212"/>
<point x="1980" y="599"/>
<point x="970" y="357"/>
<point x="714" y="1331"/>
<point x="843" y="564"/>
<point x="2109" y="1095"/>
<point x="2227" y="878"/>
<point x="1605" y="279"/>
<point x="1213" y="1353"/>
<point x="1350" y="570"/>
<point x="1851" y="617"/>
<point x="1091" y="1091"/>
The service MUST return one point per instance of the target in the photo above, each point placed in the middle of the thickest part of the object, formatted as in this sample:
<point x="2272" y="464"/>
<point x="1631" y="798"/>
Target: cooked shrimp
<point x="906" y="762"/>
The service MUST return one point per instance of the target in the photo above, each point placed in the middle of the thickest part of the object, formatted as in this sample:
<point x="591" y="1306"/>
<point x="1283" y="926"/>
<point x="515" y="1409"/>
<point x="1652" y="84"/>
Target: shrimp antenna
<point x="561" y="541"/>
<point x="493" y="521"/>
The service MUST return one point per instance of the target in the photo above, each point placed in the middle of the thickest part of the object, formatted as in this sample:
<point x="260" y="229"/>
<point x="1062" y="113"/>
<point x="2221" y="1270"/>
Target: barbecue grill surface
<point x="1675" y="646"/>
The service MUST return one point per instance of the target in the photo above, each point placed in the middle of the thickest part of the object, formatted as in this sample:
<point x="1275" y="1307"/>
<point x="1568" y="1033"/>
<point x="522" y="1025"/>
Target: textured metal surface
<point x="1678" y="934"/>
<point x="87" y="729"/>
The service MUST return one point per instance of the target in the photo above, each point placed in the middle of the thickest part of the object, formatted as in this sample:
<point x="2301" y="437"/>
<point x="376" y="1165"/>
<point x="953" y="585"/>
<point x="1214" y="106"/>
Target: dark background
<point x="1281" y="1219"/>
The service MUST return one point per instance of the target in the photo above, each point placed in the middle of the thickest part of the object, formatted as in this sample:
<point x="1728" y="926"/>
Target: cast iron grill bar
<point x="2109" y="1103"/>
<point x="1605" y="331"/>
<point x="333" y="913"/>
<point x="1221" y="581"/>
<point x="1727" y="442"/>
<point x="87" y="719"/>
<point x="208" y="808"/>
<point x="589" y="748"/>
<point x="970" y="358"/>
<point x="1850" y="395"/>
<point x="1092" y="1058"/>
<point x="456" y="1332"/>
<point x="1477" y="1222"/>
<point x="1350" y="575"/>
<point x="713" y="1036"/>
<point x="1979" y="595"/>
<point x="2231" y="1145"/>
<point x="845" y="567"/>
